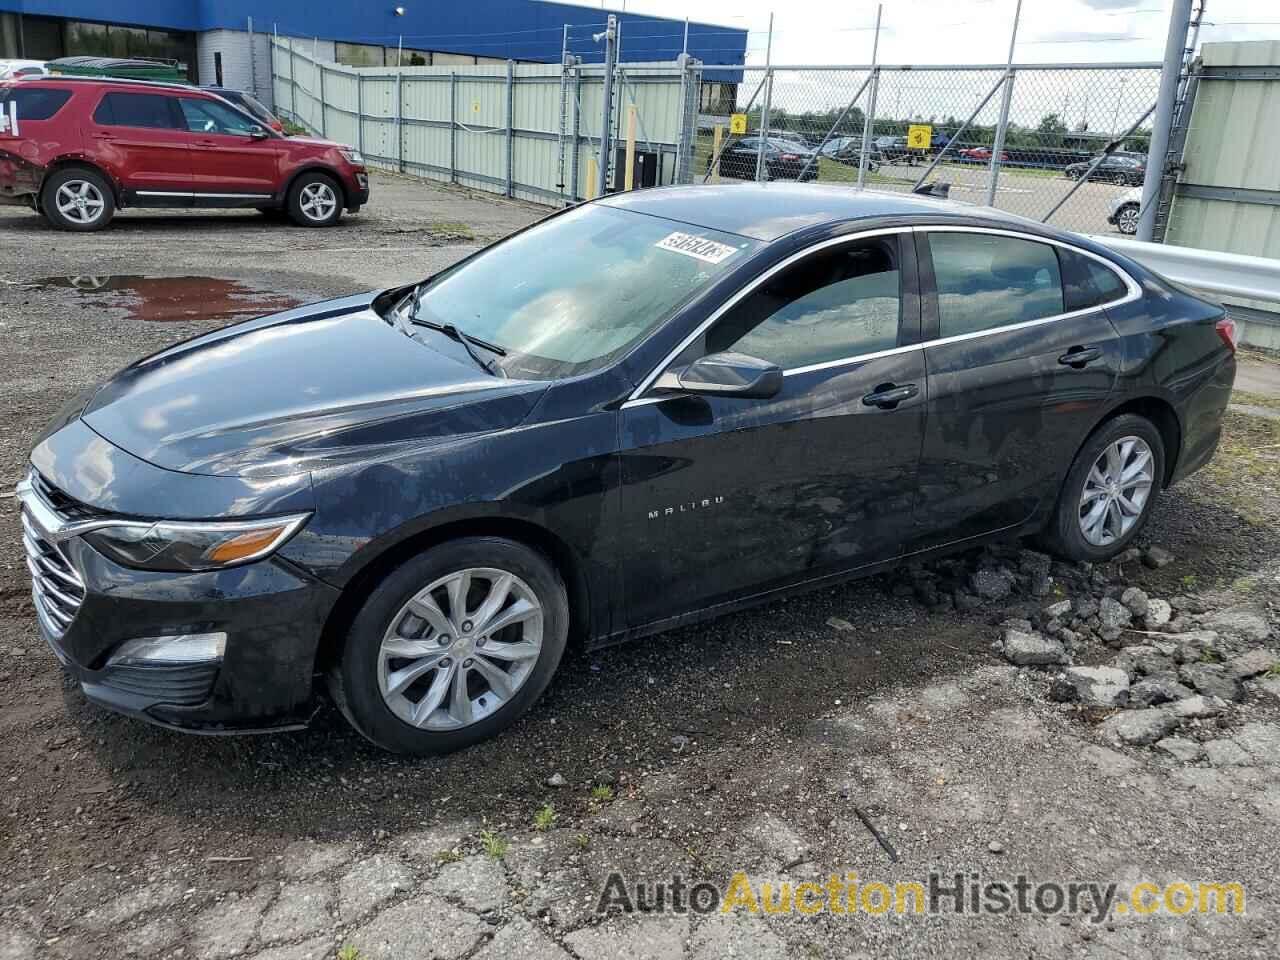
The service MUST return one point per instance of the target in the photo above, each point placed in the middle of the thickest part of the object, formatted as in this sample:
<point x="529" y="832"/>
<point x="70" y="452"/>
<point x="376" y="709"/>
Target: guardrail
<point x="1229" y="276"/>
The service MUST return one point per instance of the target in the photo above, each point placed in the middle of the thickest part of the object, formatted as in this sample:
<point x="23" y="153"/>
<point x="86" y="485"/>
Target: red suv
<point x="77" y="150"/>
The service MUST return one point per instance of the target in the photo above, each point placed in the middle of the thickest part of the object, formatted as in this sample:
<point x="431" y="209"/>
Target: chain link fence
<point x="1074" y="136"/>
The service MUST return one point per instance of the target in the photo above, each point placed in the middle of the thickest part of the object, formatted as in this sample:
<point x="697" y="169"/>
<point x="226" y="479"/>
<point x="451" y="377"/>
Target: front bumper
<point x="358" y="189"/>
<point x="271" y="612"/>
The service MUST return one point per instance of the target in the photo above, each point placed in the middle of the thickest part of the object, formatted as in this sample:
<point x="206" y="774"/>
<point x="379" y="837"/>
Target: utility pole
<point x="610" y="37"/>
<point x="1157" y="153"/>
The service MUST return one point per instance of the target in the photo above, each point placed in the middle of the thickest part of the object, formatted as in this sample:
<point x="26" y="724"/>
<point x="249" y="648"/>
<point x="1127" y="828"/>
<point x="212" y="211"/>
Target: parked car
<point x="121" y="68"/>
<point x="848" y="150"/>
<point x="783" y="160"/>
<point x="1125" y="211"/>
<point x="250" y="105"/>
<point x="981" y="154"/>
<point x="1116" y="168"/>
<point x="894" y="149"/>
<point x="84" y="149"/>
<point x="779" y="387"/>
<point x="12" y="69"/>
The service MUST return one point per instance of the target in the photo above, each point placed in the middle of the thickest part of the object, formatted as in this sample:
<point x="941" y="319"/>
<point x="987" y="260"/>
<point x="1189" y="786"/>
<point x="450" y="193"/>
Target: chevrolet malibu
<point x="640" y="412"/>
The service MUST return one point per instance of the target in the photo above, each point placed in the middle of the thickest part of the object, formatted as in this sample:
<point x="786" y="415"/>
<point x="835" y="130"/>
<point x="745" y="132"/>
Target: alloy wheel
<point x="1116" y="490"/>
<point x="80" y="201"/>
<point x="317" y="201"/>
<point x="1127" y="220"/>
<point x="460" y="648"/>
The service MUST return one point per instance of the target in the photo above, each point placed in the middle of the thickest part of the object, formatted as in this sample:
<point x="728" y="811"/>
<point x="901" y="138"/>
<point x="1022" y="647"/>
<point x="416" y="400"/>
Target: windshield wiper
<point x="453" y="333"/>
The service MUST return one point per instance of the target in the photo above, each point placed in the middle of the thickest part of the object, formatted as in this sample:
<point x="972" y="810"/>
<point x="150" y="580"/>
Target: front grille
<point x="63" y="505"/>
<point x="56" y="586"/>
<point x="181" y="684"/>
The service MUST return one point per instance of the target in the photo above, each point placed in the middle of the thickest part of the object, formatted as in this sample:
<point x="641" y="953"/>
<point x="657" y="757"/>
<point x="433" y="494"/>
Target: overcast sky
<point x="966" y="31"/>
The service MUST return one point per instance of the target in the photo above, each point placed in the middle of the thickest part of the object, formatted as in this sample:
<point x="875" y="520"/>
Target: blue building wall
<point x="515" y="29"/>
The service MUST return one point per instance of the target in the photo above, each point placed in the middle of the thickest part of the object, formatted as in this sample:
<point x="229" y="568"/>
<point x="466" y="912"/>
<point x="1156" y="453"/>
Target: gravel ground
<point x="742" y="744"/>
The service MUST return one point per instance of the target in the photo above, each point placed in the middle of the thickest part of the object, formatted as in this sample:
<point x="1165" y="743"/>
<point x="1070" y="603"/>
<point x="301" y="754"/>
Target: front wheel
<point x="315" y="200"/>
<point x="1109" y="491"/>
<point x="453" y="646"/>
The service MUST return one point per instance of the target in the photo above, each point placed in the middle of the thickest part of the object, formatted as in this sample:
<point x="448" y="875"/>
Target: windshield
<point x="572" y="294"/>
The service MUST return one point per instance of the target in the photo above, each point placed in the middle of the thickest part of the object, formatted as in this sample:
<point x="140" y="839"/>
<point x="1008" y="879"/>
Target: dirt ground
<point x="744" y="744"/>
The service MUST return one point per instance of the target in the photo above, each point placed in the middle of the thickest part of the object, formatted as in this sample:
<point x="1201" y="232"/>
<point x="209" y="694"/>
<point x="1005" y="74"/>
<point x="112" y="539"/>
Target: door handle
<point x="104" y="136"/>
<point x="887" y="396"/>
<point x="1080" y="357"/>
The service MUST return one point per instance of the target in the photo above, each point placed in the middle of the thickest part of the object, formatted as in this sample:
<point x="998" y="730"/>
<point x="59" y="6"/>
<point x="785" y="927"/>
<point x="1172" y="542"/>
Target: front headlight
<point x="354" y="156"/>
<point x="179" y="546"/>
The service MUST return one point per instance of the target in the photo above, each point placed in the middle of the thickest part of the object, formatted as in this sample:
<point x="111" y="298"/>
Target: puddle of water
<point x="169" y="299"/>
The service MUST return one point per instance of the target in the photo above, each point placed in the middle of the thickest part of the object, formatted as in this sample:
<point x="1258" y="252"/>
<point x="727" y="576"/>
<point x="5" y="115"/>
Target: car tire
<point x="1073" y="532"/>
<point x="78" y="199"/>
<point x="411" y="704"/>
<point x="315" y="200"/>
<point x="1127" y="219"/>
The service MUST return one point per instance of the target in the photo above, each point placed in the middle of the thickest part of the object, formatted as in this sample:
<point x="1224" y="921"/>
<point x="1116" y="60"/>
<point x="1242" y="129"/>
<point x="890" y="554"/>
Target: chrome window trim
<point x="192" y="196"/>
<point x="1133" y="292"/>
<point x="733" y="301"/>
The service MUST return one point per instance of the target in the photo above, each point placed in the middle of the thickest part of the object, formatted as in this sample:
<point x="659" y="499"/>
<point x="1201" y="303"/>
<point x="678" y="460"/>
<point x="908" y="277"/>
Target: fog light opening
<point x="181" y="648"/>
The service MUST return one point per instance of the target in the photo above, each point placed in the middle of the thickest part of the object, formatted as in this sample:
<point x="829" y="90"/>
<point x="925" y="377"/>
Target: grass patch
<point x="544" y="818"/>
<point x="583" y="841"/>
<point x="448" y="856"/>
<point x="1246" y="469"/>
<point x="1255" y="399"/>
<point x="349" y="952"/>
<point x="452" y="228"/>
<point x="602" y="793"/>
<point x="494" y="845"/>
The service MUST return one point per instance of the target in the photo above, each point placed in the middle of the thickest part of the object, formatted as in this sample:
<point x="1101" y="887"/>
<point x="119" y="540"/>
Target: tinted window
<point x="986" y="281"/>
<point x="206" y="116"/>
<point x="836" y="304"/>
<point x="134" y="110"/>
<point x="34" y="103"/>
<point x="1088" y="283"/>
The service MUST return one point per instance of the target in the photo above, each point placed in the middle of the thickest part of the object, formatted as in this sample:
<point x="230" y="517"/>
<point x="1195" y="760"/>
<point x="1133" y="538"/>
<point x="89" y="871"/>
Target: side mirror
<point x="731" y="375"/>
<point x="258" y="133"/>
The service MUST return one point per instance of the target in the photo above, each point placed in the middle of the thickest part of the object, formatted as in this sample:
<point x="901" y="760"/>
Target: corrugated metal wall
<point x="500" y="127"/>
<point x="1232" y="145"/>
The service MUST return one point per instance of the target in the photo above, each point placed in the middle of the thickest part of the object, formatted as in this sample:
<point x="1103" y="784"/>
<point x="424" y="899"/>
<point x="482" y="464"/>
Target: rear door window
<point x="136" y="110"/>
<point x="1087" y="283"/>
<point x="34" y="103"/>
<point x="986" y="281"/>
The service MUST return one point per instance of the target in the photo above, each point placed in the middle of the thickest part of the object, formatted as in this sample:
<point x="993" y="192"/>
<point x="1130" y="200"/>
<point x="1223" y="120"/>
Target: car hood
<point x="321" y="385"/>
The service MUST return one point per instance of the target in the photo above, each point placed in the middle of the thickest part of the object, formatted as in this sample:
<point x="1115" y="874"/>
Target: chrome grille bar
<point x="56" y="586"/>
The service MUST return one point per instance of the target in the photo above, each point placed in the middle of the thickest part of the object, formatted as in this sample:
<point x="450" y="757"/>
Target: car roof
<point x="767" y="211"/>
<point x="57" y="80"/>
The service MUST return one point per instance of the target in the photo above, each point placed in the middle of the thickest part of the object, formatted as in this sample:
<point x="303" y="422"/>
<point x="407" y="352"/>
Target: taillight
<point x="1226" y="328"/>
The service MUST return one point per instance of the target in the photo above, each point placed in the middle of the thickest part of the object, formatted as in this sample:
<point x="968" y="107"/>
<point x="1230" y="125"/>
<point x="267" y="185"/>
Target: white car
<point x="12" y="69"/>
<point x="1125" y="210"/>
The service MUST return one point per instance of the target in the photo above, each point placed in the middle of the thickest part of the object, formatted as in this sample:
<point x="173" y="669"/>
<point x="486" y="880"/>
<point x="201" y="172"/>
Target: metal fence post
<point x="360" y="113"/>
<point x="764" y="122"/>
<point x="323" y="124"/>
<point x="399" y="122"/>
<point x="511" y="120"/>
<point x="869" y="127"/>
<point x="1157" y="152"/>
<point x="293" y="82"/>
<point x="1002" y="128"/>
<point x="610" y="54"/>
<point x="453" y="126"/>
<point x="577" y="132"/>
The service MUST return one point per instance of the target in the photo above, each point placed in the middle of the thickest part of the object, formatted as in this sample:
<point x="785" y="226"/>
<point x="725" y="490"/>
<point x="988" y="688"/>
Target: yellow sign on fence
<point x="919" y="136"/>
<point x="737" y="123"/>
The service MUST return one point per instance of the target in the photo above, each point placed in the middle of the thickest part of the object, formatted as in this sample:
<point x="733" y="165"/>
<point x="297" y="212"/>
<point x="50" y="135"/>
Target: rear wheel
<point x="453" y="646"/>
<point x="1109" y="492"/>
<point x="1127" y="219"/>
<point x="315" y="200"/>
<point x="77" y="198"/>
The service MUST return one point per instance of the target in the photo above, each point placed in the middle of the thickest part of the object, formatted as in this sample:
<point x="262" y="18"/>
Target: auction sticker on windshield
<point x="692" y="245"/>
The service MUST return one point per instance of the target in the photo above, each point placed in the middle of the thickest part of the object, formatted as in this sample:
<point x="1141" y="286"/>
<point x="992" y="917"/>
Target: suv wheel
<point x="1127" y="219"/>
<point x="77" y="198"/>
<point x="453" y="646"/>
<point x="315" y="200"/>
<point x="1109" y="491"/>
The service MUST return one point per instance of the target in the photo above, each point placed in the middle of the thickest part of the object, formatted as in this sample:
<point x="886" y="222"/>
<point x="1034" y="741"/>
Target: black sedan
<point x="783" y="160"/>
<point x="642" y="411"/>
<point x="1117" y="168"/>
